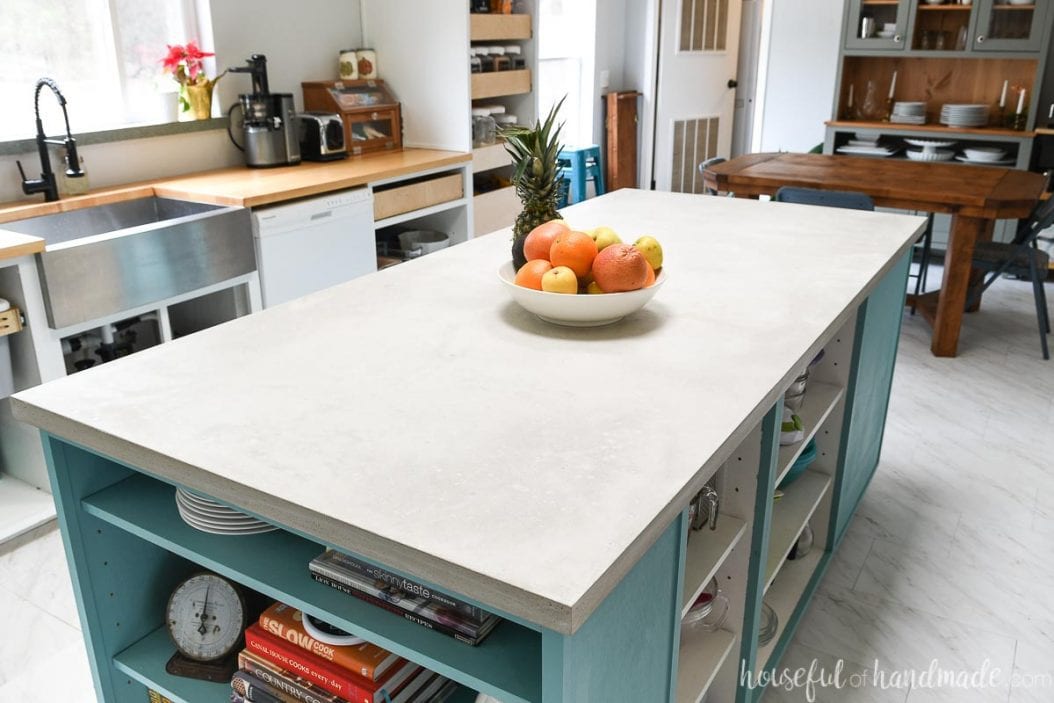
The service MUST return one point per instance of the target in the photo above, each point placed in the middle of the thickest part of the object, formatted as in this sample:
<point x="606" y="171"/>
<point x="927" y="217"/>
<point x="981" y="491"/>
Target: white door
<point x="698" y="51"/>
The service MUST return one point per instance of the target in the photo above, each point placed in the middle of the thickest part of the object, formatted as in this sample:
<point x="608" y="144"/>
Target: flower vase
<point x="195" y="101"/>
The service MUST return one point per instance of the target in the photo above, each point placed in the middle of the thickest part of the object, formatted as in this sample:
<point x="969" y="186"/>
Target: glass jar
<point x="516" y="60"/>
<point x="474" y="63"/>
<point x="501" y="6"/>
<point x="709" y="610"/>
<point x="484" y="128"/>
<point x="486" y="63"/>
<point x="497" y="55"/>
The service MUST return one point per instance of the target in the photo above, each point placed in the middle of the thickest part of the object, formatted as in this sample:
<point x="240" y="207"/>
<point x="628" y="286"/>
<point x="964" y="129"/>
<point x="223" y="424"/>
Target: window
<point x="105" y="56"/>
<point x="565" y="65"/>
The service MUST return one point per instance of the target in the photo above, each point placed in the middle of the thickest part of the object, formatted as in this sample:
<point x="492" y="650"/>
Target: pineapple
<point x="537" y="177"/>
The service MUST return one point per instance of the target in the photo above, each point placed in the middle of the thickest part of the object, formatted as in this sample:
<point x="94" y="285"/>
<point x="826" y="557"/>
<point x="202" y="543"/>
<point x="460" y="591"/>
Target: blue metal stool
<point x="578" y="165"/>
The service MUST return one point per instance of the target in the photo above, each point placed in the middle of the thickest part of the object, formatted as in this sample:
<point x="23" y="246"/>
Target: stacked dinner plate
<point x="209" y="516"/>
<point x="908" y="113"/>
<point x="964" y="115"/>
<point x="986" y="156"/>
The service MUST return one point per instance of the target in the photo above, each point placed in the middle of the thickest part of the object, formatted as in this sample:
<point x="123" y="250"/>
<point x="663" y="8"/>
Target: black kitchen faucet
<point x="46" y="183"/>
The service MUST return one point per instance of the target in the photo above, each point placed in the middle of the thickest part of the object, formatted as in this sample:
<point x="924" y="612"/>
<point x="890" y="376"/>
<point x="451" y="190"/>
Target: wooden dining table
<point x="975" y="197"/>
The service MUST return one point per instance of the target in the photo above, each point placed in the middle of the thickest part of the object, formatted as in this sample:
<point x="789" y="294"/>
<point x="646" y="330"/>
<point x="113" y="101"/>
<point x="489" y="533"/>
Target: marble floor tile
<point x="848" y="559"/>
<point x="62" y="675"/>
<point x="38" y="573"/>
<point x="1033" y="673"/>
<point x="30" y="634"/>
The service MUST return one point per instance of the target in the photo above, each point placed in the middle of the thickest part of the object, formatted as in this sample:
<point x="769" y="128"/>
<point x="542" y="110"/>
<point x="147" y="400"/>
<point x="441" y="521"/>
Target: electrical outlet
<point x="605" y="79"/>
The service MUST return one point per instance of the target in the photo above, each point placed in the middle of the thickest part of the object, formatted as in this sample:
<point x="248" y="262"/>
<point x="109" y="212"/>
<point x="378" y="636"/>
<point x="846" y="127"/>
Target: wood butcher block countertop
<point x="242" y="186"/>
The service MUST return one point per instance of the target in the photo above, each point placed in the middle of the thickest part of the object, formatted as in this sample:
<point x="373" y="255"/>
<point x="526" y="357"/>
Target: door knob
<point x="732" y="83"/>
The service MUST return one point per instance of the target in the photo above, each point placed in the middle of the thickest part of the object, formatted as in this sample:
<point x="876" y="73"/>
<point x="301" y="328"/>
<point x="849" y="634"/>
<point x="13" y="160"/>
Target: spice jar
<point x="485" y="62"/>
<point x="501" y="6"/>
<point x="474" y="62"/>
<point x="348" y="65"/>
<point x="497" y="55"/>
<point x="515" y="55"/>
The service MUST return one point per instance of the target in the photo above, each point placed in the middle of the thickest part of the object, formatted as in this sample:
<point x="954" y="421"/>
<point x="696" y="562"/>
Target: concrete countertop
<point x="420" y="418"/>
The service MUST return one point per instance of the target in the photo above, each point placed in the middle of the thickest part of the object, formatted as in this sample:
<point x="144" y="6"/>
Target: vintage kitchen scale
<point x="371" y="113"/>
<point x="206" y="618"/>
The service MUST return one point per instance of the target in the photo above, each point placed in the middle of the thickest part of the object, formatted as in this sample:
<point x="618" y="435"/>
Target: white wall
<point x="300" y="39"/>
<point x="799" y="69"/>
<point x="611" y="31"/>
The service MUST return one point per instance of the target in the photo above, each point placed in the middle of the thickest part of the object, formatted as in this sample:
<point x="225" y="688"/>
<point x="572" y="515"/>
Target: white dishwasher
<point x="313" y="244"/>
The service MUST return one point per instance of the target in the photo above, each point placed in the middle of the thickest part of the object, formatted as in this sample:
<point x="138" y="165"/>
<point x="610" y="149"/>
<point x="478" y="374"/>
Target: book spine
<point x="340" y="560"/>
<point x="418" y="606"/>
<point x="303" y="663"/>
<point x="392" y="608"/>
<point x="283" y="682"/>
<point x="254" y="690"/>
<point x="366" y="660"/>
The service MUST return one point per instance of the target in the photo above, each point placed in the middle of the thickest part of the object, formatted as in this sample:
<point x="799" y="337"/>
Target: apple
<point x="652" y="250"/>
<point x="605" y="237"/>
<point x="593" y="288"/>
<point x="560" y="280"/>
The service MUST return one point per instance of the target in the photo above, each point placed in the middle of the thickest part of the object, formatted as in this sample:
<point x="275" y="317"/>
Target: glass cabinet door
<point x="1010" y="25"/>
<point x="878" y="24"/>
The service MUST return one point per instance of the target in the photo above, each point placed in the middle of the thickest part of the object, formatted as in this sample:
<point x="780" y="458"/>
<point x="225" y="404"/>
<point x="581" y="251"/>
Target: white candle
<point x="1002" y="98"/>
<point x="892" y="85"/>
<point x="850" y="95"/>
<point x="1021" y="101"/>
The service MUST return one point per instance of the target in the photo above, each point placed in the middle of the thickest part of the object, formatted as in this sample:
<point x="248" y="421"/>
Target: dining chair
<point x="860" y="201"/>
<point x="714" y="161"/>
<point x="1022" y="258"/>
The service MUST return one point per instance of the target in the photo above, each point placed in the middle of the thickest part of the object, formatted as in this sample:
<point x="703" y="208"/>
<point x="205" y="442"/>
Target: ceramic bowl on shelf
<point x="578" y="310"/>
<point x="984" y="153"/>
<point x="930" y="145"/>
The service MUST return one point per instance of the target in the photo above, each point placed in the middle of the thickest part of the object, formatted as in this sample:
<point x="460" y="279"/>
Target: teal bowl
<point x="807" y="457"/>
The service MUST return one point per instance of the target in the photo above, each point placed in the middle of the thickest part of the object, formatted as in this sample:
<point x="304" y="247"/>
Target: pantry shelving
<point x="706" y="551"/>
<point x="701" y="657"/>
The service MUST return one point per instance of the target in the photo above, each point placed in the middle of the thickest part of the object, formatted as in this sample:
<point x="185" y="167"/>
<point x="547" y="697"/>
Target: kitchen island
<point x="419" y="419"/>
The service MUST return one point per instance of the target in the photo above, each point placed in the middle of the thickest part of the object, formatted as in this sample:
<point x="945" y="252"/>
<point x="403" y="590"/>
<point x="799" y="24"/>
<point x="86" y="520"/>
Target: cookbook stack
<point x="283" y="661"/>
<point x="411" y="600"/>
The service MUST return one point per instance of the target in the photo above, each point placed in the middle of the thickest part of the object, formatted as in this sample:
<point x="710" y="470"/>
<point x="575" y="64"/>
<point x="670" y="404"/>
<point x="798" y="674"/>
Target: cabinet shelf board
<point x="491" y="27"/>
<point x="701" y="657"/>
<point x="1014" y="7"/>
<point x="786" y="594"/>
<point x="416" y="214"/>
<point x="944" y="8"/>
<point x="497" y="84"/>
<point x="789" y="515"/>
<point x="145" y="661"/>
<point x="881" y="2"/>
<point x="506" y="665"/>
<point x="820" y="399"/>
<point x="495" y="210"/>
<point x="486" y="158"/>
<point x="705" y="553"/>
<point x="869" y="126"/>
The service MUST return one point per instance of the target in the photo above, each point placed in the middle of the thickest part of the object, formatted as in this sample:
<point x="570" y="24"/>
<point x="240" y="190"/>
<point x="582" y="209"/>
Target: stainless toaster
<point x="321" y="136"/>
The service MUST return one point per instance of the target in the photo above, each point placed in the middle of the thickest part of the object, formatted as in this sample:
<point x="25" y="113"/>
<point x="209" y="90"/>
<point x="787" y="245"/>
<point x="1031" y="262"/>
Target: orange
<point x="530" y="274"/>
<point x="651" y="276"/>
<point x="575" y="250"/>
<point x="540" y="239"/>
<point x="620" y="267"/>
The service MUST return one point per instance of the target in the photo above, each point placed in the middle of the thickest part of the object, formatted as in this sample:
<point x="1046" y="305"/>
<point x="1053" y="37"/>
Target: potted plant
<point x="534" y="152"/>
<point x="186" y="63"/>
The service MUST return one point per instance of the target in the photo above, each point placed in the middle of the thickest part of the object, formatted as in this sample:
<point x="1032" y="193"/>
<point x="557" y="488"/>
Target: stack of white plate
<point x="209" y="516"/>
<point x="867" y="150"/>
<point x="930" y="144"/>
<point x="908" y="113"/>
<point x="970" y="115"/>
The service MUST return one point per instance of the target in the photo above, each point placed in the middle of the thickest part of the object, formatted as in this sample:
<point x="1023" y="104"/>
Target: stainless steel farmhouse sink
<point x="119" y="256"/>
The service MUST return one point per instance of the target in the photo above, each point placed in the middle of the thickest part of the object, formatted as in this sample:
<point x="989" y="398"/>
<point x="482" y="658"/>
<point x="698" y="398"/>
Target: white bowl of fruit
<point x="584" y="279"/>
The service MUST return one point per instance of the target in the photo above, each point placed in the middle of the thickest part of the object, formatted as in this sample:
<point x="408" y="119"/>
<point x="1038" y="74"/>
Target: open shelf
<point x="867" y="126"/>
<point x="700" y="658"/>
<point x="495" y="210"/>
<point x="497" y="84"/>
<point x="785" y="595"/>
<point x="706" y="551"/>
<point x="508" y="662"/>
<point x="820" y="399"/>
<point x="789" y="515"/>
<point x="485" y="158"/>
<point x="497" y="27"/>
<point x="944" y="8"/>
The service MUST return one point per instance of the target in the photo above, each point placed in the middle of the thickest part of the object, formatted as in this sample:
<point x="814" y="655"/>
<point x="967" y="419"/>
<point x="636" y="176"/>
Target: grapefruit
<point x="540" y="239"/>
<point x="530" y="274"/>
<point x="619" y="268"/>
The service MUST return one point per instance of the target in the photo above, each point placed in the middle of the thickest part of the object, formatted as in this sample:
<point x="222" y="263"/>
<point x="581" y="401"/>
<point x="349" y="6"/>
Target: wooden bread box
<point x="372" y="116"/>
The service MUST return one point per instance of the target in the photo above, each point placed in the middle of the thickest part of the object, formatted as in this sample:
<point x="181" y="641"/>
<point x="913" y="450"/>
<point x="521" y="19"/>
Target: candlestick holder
<point x="1017" y="121"/>
<point x="889" y="110"/>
